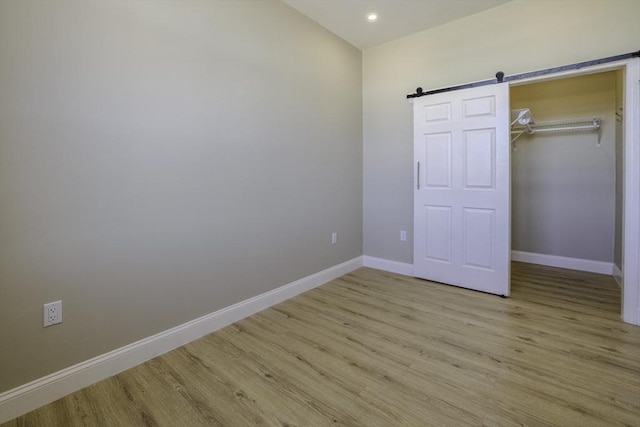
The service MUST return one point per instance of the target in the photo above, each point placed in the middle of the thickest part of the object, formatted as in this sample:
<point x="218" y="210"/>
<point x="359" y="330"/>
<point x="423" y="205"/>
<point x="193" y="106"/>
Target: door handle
<point x="418" y="176"/>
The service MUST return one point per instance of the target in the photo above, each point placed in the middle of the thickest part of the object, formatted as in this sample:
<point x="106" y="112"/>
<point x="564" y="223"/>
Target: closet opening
<point x="567" y="175"/>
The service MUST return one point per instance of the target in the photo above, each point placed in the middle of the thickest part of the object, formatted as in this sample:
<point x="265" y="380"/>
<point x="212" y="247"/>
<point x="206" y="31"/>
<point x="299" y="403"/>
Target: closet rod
<point x="538" y="129"/>
<point x="556" y="126"/>
<point x="552" y="129"/>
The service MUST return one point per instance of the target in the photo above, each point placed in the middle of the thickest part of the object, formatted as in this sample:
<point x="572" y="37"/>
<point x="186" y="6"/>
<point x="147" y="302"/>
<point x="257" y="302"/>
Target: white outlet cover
<point x="52" y="313"/>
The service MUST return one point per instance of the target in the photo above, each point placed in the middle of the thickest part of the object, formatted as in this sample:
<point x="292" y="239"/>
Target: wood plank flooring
<point x="379" y="349"/>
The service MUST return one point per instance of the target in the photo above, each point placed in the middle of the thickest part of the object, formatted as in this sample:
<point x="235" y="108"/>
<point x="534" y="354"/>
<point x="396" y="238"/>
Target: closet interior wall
<point x="565" y="186"/>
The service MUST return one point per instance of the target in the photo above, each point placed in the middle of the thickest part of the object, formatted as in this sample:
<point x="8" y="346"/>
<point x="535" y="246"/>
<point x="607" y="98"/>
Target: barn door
<point x="462" y="188"/>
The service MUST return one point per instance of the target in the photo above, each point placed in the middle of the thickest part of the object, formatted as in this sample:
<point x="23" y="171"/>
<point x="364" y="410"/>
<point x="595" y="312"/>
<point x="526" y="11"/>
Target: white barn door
<point x="462" y="203"/>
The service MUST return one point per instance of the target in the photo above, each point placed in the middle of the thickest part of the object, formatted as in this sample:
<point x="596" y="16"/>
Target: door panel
<point x="462" y="188"/>
<point x="479" y="107"/>
<point x="478" y="235"/>
<point x="437" y="112"/>
<point x="479" y="154"/>
<point x="438" y="160"/>
<point x="438" y="226"/>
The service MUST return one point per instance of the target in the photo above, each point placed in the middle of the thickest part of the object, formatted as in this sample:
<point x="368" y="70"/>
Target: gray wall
<point x="563" y="185"/>
<point x="518" y="36"/>
<point x="162" y="160"/>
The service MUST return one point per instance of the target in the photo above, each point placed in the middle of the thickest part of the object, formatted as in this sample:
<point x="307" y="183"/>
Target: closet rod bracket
<point x="597" y="125"/>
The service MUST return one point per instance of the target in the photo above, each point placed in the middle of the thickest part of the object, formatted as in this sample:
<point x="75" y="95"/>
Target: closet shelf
<point x="524" y="124"/>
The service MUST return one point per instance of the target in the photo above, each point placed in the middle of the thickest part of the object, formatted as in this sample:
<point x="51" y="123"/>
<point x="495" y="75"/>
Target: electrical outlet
<point x="334" y="238"/>
<point x="52" y="313"/>
<point x="403" y="235"/>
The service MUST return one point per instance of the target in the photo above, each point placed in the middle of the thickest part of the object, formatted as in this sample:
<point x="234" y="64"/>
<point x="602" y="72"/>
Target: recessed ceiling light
<point x="372" y="17"/>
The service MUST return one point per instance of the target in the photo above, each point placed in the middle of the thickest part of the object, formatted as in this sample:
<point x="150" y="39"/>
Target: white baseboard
<point x="617" y="274"/>
<point x="528" y="257"/>
<point x="563" y="262"/>
<point x="388" y="265"/>
<point x="30" y="396"/>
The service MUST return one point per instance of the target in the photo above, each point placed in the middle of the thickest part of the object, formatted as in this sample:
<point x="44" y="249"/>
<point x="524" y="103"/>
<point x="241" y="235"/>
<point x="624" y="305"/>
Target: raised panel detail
<point x="479" y="107"/>
<point x="438" y="233"/>
<point x="479" y="158"/>
<point x="478" y="234"/>
<point x="438" y="161"/>
<point x="437" y="112"/>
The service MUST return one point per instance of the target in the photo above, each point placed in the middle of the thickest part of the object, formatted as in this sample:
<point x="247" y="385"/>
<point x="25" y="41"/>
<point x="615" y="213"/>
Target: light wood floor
<point x="379" y="349"/>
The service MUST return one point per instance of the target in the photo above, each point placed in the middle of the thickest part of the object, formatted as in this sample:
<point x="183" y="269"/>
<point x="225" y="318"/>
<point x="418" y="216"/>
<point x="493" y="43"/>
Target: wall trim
<point x="631" y="197"/>
<point x="34" y="394"/>
<point x="388" y="265"/>
<point x="617" y="274"/>
<point x="563" y="262"/>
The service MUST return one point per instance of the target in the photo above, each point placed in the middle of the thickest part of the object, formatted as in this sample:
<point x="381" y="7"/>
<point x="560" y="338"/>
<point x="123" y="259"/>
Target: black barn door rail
<point x="500" y="77"/>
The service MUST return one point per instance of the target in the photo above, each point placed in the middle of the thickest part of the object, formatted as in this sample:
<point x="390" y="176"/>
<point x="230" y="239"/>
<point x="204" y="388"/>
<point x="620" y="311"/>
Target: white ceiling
<point x="396" y="18"/>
